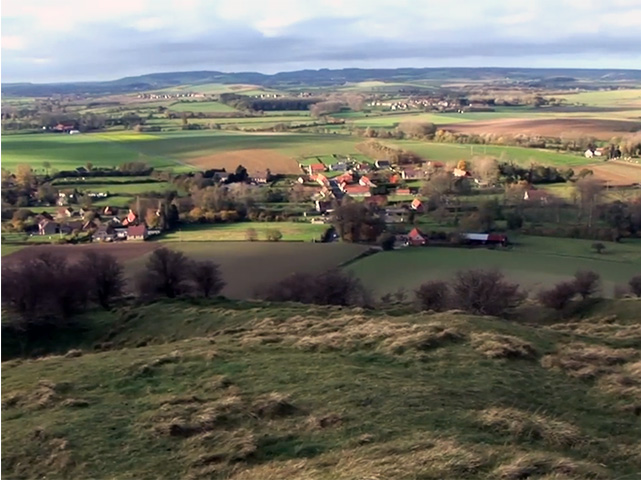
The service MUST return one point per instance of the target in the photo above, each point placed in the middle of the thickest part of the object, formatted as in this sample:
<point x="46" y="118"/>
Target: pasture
<point x="534" y="262"/>
<point x="205" y="107"/>
<point x="451" y="152"/>
<point x="292" y="231"/>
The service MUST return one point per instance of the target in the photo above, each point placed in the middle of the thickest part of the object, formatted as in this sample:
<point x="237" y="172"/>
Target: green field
<point x="451" y="152"/>
<point x="534" y="262"/>
<point x="253" y="391"/>
<point x="607" y="98"/>
<point x="121" y="189"/>
<point x="205" y="107"/>
<point x="292" y="231"/>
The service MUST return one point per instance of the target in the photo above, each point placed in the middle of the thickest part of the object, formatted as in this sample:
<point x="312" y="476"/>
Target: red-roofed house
<point x="366" y="182"/>
<point x="394" y="179"/>
<point x="321" y="179"/>
<point x="130" y="219"/>
<point x="137" y="232"/>
<point x="403" y="191"/>
<point x="417" y="205"/>
<point x="461" y="173"/>
<point x="345" y="178"/>
<point x="416" y="238"/>
<point x="315" y="168"/>
<point x="356" y="191"/>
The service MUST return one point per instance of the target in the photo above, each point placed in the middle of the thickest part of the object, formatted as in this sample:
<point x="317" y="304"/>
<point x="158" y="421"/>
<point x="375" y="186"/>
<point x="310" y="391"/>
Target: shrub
<point x="433" y="295"/>
<point x="251" y="235"/>
<point x="206" y="278"/>
<point x="635" y="285"/>
<point x="514" y="221"/>
<point x="598" y="247"/>
<point x="485" y="292"/>
<point x="273" y="235"/>
<point x="103" y="276"/>
<point x="334" y="287"/>
<point x="386" y="241"/>
<point x="558" y="296"/>
<point x="586" y="283"/>
<point x="165" y="274"/>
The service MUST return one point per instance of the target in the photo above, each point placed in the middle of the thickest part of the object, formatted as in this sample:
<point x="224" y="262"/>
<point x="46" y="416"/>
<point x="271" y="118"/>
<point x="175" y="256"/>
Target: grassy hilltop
<point x="260" y="391"/>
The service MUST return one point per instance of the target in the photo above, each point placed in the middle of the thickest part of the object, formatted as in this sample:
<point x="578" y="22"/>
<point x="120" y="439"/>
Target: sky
<point x="85" y="40"/>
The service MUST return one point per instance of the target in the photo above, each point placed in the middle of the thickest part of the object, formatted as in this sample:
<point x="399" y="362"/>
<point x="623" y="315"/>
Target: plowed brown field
<point x="254" y="160"/>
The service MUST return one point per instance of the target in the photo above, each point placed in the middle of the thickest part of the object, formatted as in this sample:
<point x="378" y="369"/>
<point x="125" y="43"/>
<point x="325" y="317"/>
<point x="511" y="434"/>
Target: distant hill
<point x="241" y="391"/>
<point x="557" y="78"/>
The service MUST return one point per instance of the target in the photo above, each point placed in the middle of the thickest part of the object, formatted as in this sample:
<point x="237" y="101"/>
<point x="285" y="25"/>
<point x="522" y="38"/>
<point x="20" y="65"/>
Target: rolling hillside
<point x="260" y="391"/>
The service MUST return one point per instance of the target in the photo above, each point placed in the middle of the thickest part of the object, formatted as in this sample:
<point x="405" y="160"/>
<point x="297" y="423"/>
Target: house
<point x="81" y="170"/>
<point x="48" y="227"/>
<point x="71" y="227"/>
<point x="64" y="127"/>
<point x="394" y="179"/>
<point x="416" y="238"/>
<point x="137" y="232"/>
<point x="300" y="180"/>
<point x="593" y="152"/>
<point x="315" y="168"/>
<point x="109" y="211"/>
<point x="259" y="178"/>
<point x="382" y="164"/>
<point x="65" y="212"/>
<point x="416" y="205"/>
<point x="435" y="164"/>
<point x="322" y="206"/>
<point x="460" y="173"/>
<point x="538" y="196"/>
<point x="321" y="179"/>
<point x="121" y="232"/>
<point x="395" y="215"/>
<point x="105" y="233"/>
<point x="356" y="191"/>
<point x="366" y="182"/>
<point x="403" y="191"/>
<point x="338" y="167"/>
<point x="377" y="200"/>
<point x="411" y="173"/>
<point x="130" y="219"/>
<point x="346" y="178"/>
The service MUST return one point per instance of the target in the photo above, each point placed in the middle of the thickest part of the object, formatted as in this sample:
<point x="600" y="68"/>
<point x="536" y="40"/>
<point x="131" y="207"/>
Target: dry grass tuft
<point x="352" y="332"/>
<point x="73" y="353"/>
<point x="625" y="383"/>
<point x="273" y="405"/>
<point x="531" y="426"/>
<point x="46" y="394"/>
<point x="494" y="345"/>
<point x="602" y="327"/>
<point x="537" y="464"/>
<point x="325" y="421"/>
<point x="75" y="403"/>
<point x="588" y="361"/>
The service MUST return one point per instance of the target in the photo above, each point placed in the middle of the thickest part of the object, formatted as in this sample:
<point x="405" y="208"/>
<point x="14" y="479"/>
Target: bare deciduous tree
<point x="206" y="278"/>
<point x="485" y="292"/>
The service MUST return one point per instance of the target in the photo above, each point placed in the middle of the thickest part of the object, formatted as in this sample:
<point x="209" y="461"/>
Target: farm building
<point x="105" y="233"/>
<point x="382" y="164"/>
<point x="47" y="227"/>
<point x="485" y="239"/>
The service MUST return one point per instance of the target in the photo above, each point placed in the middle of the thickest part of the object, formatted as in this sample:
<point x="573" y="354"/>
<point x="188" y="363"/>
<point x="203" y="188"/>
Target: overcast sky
<point x="48" y="40"/>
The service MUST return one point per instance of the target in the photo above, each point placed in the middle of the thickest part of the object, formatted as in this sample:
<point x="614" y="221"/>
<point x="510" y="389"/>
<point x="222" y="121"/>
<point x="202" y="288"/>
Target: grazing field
<point x="122" y="188"/>
<point x="205" y="107"/>
<point x="617" y="173"/>
<point x="66" y="152"/>
<point x="534" y="262"/>
<point x="8" y="249"/>
<point x="550" y="127"/>
<point x="292" y="231"/>
<point x="451" y="152"/>
<point x="255" y="160"/>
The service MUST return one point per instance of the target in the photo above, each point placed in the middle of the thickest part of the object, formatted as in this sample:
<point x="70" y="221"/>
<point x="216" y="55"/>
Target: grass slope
<point x="244" y="391"/>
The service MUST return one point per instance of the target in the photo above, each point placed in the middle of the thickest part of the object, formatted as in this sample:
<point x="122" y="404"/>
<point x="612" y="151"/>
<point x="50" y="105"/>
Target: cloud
<point x="97" y="40"/>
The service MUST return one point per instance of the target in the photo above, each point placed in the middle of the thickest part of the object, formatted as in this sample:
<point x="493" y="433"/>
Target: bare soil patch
<point x="617" y="173"/>
<point x="549" y="127"/>
<point x="123" y="251"/>
<point x="254" y="160"/>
